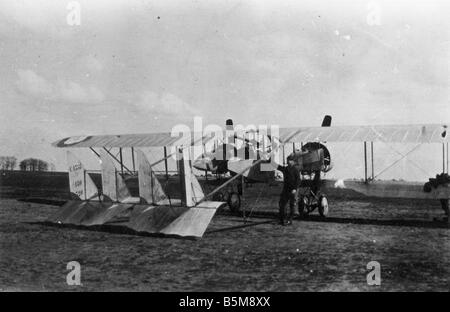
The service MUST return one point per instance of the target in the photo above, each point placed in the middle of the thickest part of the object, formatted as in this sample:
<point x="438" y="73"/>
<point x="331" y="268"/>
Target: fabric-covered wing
<point x="426" y="133"/>
<point x="129" y="140"/>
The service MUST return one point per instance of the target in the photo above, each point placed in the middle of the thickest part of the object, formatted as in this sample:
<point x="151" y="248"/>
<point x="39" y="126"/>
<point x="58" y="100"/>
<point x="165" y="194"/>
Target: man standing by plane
<point x="292" y="179"/>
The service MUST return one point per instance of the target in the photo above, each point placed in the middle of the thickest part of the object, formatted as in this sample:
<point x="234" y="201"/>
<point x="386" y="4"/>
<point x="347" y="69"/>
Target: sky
<point x="135" y="66"/>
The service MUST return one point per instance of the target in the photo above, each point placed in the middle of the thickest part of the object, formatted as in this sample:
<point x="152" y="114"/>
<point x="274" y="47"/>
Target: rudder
<point x="81" y="185"/>
<point x="150" y="189"/>
<point x="113" y="185"/>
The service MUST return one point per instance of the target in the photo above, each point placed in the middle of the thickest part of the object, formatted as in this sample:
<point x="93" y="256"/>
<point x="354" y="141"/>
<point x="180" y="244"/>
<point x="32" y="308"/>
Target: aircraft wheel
<point x="226" y="195"/>
<point x="234" y="202"/>
<point x="323" y="206"/>
<point x="218" y="197"/>
<point x="302" y="206"/>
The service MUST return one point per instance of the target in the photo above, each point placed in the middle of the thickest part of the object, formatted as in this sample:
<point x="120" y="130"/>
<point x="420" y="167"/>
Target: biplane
<point x="153" y="211"/>
<point x="314" y="160"/>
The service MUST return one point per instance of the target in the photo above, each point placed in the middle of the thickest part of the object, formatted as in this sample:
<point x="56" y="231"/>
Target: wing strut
<point x="447" y="157"/>
<point x="165" y="163"/>
<point x="443" y="157"/>
<point x="365" y="161"/>
<point x="398" y="160"/>
<point x="372" y="161"/>
<point x="132" y="158"/>
<point x="231" y="180"/>
<point x="122" y="166"/>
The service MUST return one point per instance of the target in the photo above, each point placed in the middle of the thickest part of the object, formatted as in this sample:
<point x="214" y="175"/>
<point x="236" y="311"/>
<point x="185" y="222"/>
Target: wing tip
<point x="59" y="143"/>
<point x="70" y="141"/>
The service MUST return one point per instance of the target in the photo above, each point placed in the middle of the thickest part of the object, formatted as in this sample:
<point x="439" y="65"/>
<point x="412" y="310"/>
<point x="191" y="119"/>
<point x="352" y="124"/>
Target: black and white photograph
<point x="236" y="148"/>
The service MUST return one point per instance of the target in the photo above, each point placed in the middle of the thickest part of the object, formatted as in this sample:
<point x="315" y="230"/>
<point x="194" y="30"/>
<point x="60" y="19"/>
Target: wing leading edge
<point x="425" y="133"/>
<point x="422" y="133"/>
<point x="129" y="140"/>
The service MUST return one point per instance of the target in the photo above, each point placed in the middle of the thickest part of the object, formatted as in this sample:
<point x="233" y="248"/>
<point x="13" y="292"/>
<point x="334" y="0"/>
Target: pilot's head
<point x="290" y="160"/>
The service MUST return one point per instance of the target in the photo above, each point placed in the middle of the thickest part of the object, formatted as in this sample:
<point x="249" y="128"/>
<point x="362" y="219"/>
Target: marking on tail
<point x="80" y="182"/>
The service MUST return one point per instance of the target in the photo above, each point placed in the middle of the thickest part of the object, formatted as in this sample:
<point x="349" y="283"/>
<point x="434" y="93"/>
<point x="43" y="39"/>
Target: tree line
<point x="28" y="164"/>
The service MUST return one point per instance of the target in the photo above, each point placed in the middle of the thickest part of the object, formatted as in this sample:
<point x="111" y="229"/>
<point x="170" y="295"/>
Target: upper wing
<point x="426" y="133"/>
<point x="129" y="140"/>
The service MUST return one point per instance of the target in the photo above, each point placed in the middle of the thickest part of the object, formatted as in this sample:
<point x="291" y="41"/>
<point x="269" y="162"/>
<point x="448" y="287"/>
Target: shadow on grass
<point x="44" y="201"/>
<point x="439" y="224"/>
<point x="119" y="228"/>
<point x="109" y="228"/>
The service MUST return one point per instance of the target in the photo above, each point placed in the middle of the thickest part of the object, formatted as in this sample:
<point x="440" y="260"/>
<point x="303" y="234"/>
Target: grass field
<point x="311" y="255"/>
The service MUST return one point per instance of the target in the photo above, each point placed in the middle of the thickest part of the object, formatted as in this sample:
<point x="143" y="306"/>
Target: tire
<point x="218" y="197"/>
<point x="323" y="206"/>
<point x="221" y="197"/>
<point x="302" y="206"/>
<point x="234" y="201"/>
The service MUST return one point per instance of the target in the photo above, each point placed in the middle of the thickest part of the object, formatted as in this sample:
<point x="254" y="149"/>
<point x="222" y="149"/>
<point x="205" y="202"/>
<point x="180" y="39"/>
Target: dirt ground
<point x="311" y="255"/>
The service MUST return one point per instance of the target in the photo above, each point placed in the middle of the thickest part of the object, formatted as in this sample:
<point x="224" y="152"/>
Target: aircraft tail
<point x="190" y="219"/>
<point x="150" y="190"/>
<point x="192" y="190"/>
<point x="113" y="185"/>
<point x="81" y="185"/>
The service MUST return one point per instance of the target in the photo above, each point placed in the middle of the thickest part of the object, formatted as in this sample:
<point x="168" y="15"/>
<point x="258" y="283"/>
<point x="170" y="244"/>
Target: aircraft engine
<point x="320" y="151"/>
<point x="314" y="156"/>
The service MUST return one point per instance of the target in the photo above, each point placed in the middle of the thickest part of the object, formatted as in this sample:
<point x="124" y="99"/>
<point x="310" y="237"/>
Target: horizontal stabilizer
<point x="89" y="213"/>
<point x="167" y="220"/>
<point x="181" y="221"/>
<point x="194" y="221"/>
<point x="81" y="185"/>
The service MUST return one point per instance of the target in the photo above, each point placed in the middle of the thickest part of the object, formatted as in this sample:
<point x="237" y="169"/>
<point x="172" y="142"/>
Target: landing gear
<point x="323" y="206"/>
<point x="303" y="203"/>
<point x="234" y="201"/>
<point x="308" y="202"/>
<point x="219" y="196"/>
<point x="231" y="196"/>
<point x="310" y="195"/>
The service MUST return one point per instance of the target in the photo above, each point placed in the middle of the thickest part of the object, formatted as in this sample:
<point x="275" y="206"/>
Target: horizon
<point x="145" y="66"/>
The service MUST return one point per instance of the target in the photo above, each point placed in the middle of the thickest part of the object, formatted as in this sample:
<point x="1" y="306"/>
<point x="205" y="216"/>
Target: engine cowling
<point x="314" y="156"/>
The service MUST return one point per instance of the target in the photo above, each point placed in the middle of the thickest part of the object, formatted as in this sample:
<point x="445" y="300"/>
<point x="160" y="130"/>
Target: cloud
<point x="31" y="84"/>
<point x="73" y="92"/>
<point x="165" y="104"/>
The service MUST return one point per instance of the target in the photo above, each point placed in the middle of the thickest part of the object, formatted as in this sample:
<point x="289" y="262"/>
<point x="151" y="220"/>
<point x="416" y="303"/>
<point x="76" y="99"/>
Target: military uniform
<point x="291" y="182"/>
